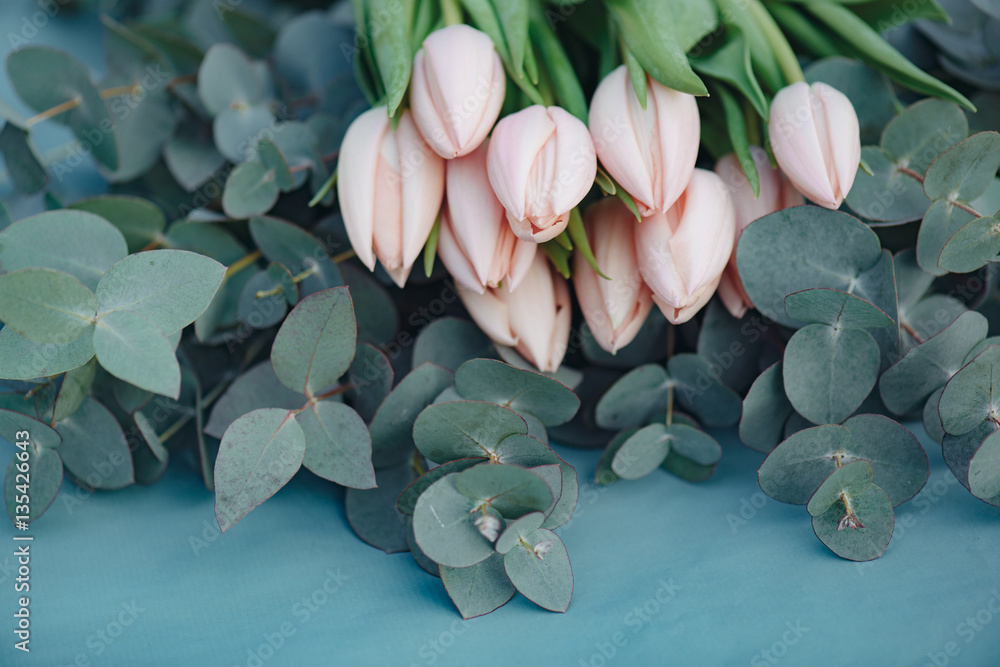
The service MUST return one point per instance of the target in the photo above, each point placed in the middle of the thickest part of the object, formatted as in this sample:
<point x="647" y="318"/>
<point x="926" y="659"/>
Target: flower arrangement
<point x="658" y="223"/>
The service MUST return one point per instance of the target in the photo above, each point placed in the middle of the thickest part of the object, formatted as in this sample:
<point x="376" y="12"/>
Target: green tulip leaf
<point x="78" y="243"/>
<point x="828" y="372"/>
<point x="259" y="454"/>
<point x="315" y="345"/>
<point x="393" y="424"/>
<point x="94" y="449"/>
<point x="875" y="521"/>
<point x="338" y="446"/>
<point x="848" y="480"/>
<point x="479" y="589"/>
<point x="389" y="31"/>
<point x="731" y="63"/>
<point x="46" y="306"/>
<point x="460" y="429"/>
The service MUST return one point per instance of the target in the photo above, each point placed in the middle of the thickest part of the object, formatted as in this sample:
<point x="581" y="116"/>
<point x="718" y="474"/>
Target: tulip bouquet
<point x="658" y="222"/>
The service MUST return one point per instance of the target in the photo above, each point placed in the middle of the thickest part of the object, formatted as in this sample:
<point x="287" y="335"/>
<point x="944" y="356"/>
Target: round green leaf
<point x="971" y="247"/>
<point x="261" y="312"/>
<point x="392" y="426"/>
<point x="511" y="490"/>
<point x="148" y="431"/>
<point x="984" y="470"/>
<point x="873" y="509"/>
<point x="298" y="250"/>
<point x="888" y="196"/>
<point x="170" y="288"/>
<point x="633" y="398"/>
<point x="698" y="390"/>
<point x="372" y="513"/>
<point x="42" y="434"/>
<point x="139" y="220"/>
<point x="448" y="431"/>
<point x="693" y="453"/>
<point x="251" y="189"/>
<point x="191" y="161"/>
<point x="429" y="566"/>
<point x="22" y="359"/>
<point x="374" y="308"/>
<point x="235" y="131"/>
<point x="966" y="170"/>
<point x="520" y="390"/>
<point x="479" y="589"/>
<point x="338" y="446"/>
<point x="849" y="480"/>
<point x="918" y="135"/>
<point x="642" y="453"/>
<point x="772" y="253"/>
<point x="370" y="377"/>
<point x="928" y="318"/>
<point x="765" y="411"/>
<point x="258" y="388"/>
<point x="275" y="162"/>
<point x="46" y="306"/>
<point x="836" y="308"/>
<point x="283" y="278"/>
<point x="408" y="498"/>
<point x="731" y="346"/>
<point x="828" y="372"/>
<point x="604" y="474"/>
<point x="79" y="243"/>
<point x="24" y="165"/>
<point x="94" y="449"/>
<point x="259" y="453"/>
<point x="928" y="366"/>
<point x="74" y="389"/>
<point x="942" y="221"/>
<point x="958" y="450"/>
<point x="44" y="78"/>
<point x="793" y="471"/>
<point x="973" y="393"/>
<point x="450" y="342"/>
<point x="131" y="348"/>
<point x="315" y="345"/>
<point x="541" y="570"/>
<point x="43" y="479"/>
<point x="519" y="530"/>
<point x="444" y="525"/>
<point x="931" y="418"/>
<point x="226" y="79"/>
<point x="981" y="347"/>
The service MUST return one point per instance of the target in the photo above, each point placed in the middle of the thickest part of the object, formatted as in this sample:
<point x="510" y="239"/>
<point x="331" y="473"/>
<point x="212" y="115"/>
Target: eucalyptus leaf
<point x="226" y="79"/>
<point x="94" y="449"/>
<point x="984" y="471"/>
<point x="23" y="163"/>
<point x="259" y="454"/>
<point x="40" y="484"/>
<point x="392" y="426"/>
<point x="693" y="453"/>
<point x="444" y="525"/>
<point x="297" y="250"/>
<point x="698" y="390"/>
<point x="450" y="342"/>
<point x="338" y="446"/>
<point x="867" y="542"/>
<point x="74" y="390"/>
<point x="643" y="452"/>
<point x="519" y="530"/>
<point x="372" y="513"/>
<point x="446" y="431"/>
<point x="257" y="388"/>
<point x="42" y="434"/>
<point x="46" y="306"/>
<point x="139" y="220"/>
<point x="133" y="349"/>
<point x="540" y="570"/>
<point x="511" y="490"/>
<point x="633" y="398"/>
<point x="370" y="377"/>
<point x="849" y="480"/>
<point x="971" y="247"/>
<point x="408" y="498"/>
<point x="972" y="394"/>
<point x="966" y="170"/>
<point x="22" y="359"/>
<point x="479" y="589"/>
<point x="887" y="196"/>
<point x="765" y="411"/>
<point x="315" y="345"/>
<point x="374" y="308"/>
<point x="604" y="473"/>
<point x="520" y="390"/>
<point x="835" y="308"/>
<point x="251" y="189"/>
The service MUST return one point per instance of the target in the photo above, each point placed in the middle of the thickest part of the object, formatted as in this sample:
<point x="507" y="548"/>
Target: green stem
<point x="451" y="12"/>
<point x="783" y="53"/>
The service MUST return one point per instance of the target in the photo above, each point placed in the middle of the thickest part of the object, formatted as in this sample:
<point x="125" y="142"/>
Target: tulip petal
<point x="490" y="314"/>
<point x="454" y="259"/>
<point x="516" y="141"/>
<point x="478" y="218"/>
<point x="575" y="164"/>
<point x="703" y="241"/>
<point x="532" y="311"/>
<point x="422" y="172"/>
<point x="356" y="182"/>
<point x="796" y="142"/>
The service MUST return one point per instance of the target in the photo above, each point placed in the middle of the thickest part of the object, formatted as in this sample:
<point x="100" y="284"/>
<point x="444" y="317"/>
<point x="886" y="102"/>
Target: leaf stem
<point x="344" y="256"/>
<point x="957" y="204"/>
<point x="243" y="263"/>
<point x="68" y="105"/>
<point x="783" y="52"/>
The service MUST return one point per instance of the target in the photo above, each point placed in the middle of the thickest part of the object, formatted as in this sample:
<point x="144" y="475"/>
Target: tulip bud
<point x="682" y="252"/>
<point x="816" y="140"/>
<point x="476" y="244"/>
<point x="614" y="309"/>
<point x="775" y="193"/>
<point x="650" y="152"/>
<point x="457" y="89"/>
<point x="541" y="164"/>
<point x="390" y="185"/>
<point x="534" y="318"/>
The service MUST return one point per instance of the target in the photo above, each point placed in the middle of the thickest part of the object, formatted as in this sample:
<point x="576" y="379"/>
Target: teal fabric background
<point x="667" y="573"/>
<point x="678" y="574"/>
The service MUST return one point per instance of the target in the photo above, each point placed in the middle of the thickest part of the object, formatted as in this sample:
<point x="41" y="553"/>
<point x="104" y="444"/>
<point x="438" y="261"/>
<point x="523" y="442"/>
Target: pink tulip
<point x="476" y="244"/>
<point x="651" y="153"/>
<point x="682" y="252"/>
<point x="776" y="193"/>
<point x="390" y="185"/>
<point x="614" y="309"/>
<point x="541" y="164"/>
<point x="815" y="138"/>
<point x="457" y="89"/>
<point x="534" y="318"/>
